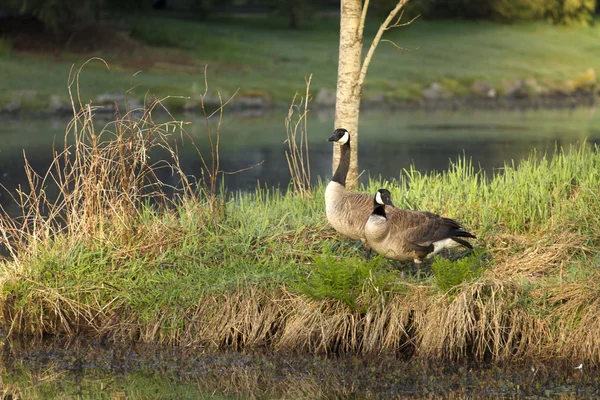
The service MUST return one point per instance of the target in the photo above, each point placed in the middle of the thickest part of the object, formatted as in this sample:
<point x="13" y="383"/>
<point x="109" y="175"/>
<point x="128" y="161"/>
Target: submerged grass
<point x="115" y="258"/>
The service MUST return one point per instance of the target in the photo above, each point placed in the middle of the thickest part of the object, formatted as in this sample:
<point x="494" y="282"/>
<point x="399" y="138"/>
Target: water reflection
<point x="389" y="142"/>
<point x="93" y="370"/>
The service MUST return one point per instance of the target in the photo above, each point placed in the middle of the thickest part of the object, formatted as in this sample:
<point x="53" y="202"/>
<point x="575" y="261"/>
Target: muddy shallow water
<point x="92" y="370"/>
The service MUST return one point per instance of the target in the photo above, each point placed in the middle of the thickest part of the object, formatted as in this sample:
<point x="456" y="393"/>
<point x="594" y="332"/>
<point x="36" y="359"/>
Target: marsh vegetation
<point x="121" y="256"/>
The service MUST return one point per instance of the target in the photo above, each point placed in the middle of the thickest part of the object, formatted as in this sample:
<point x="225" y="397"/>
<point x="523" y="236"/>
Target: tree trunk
<point x="293" y="16"/>
<point x="347" y="104"/>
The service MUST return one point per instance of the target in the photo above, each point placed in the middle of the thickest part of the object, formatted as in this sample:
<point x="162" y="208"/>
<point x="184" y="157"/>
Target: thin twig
<point x="385" y="26"/>
<point x="399" y="48"/>
<point x="363" y="19"/>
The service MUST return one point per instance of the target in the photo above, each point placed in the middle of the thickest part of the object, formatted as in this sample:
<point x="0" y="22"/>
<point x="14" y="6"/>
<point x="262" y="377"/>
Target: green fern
<point x="347" y="278"/>
<point x="449" y="274"/>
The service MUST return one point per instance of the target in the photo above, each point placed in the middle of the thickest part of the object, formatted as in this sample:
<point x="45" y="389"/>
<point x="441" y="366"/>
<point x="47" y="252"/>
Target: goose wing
<point x="420" y="229"/>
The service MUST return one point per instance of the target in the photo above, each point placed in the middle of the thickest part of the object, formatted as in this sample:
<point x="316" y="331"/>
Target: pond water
<point x="95" y="371"/>
<point x="389" y="142"/>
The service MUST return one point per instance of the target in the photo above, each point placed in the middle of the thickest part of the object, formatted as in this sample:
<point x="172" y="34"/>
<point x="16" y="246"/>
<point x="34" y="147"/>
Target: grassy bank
<point x="112" y="258"/>
<point x="263" y="58"/>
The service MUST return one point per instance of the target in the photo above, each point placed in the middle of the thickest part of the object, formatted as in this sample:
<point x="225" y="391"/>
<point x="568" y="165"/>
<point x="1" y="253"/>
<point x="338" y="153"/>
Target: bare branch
<point x="397" y="24"/>
<point x="400" y="48"/>
<point x="363" y="19"/>
<point x="242" y="169"/>
<point x="384" y="27"/>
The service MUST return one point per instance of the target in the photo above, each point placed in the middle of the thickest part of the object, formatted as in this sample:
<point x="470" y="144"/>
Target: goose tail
<point x="463" y="242"/>
<point x="461" y="233"/>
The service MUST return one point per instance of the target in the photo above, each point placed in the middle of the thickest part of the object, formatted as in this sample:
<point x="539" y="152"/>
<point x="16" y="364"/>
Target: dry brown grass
<point x="539" y="254"/>
<point x="296" y="127"/>
<point x="104" y="177"/>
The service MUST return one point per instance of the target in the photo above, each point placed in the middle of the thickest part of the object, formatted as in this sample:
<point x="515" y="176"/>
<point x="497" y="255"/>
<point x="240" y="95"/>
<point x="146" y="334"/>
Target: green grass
<point x="260" y="55"/>
<point x="449" y="274"/>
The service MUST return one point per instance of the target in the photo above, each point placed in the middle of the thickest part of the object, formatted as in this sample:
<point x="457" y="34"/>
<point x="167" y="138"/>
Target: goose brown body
<point x="406" y="235"/>
<point x="348" y="211"/>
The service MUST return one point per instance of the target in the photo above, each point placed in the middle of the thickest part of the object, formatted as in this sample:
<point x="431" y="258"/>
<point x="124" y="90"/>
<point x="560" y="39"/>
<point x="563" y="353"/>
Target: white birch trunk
<point x="347" y="104"/>
<point x="352" y="71"/>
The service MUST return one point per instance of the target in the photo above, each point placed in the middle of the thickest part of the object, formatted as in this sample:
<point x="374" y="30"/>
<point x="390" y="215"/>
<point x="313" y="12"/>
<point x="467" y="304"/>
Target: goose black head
<point x="383" y="197"/>
<point x="340" y="135"/>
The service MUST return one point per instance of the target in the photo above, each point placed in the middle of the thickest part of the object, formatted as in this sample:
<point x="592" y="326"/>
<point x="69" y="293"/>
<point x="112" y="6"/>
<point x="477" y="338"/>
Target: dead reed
<point x="296" y="127"/>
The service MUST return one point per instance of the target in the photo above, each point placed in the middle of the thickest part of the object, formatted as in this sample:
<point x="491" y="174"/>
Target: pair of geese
<point x="401" y="235"/>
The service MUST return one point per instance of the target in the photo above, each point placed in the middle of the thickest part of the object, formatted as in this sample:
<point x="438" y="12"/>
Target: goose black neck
<point x="342" y="169"/>
<point x="379" y="209"/>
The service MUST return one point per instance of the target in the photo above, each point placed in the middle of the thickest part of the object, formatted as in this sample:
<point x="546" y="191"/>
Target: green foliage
<point x="454" y="86"/>
<point x="53" y="13"/>
<point x="570" y="12"/>
<point x="512" y="10"/>
<point x="566" y="12"/>
<point x="449" y="274"/>
<point x="347" y="278"/>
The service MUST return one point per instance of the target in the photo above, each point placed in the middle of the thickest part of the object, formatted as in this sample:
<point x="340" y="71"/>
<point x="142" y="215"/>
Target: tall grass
<point x="124" y="254"/>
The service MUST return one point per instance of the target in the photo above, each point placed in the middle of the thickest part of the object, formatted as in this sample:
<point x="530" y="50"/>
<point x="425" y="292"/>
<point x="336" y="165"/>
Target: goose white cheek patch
<point x="344" y="139"/>
<point x="378" y="198"/>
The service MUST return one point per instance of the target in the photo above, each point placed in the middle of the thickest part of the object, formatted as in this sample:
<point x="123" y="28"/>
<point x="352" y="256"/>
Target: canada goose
<point x="406" y="235"/>
<point x="347" y="211"/>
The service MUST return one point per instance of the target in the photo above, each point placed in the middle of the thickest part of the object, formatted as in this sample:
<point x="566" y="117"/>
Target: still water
<point x="389" y="142"/>
<point x="94" y="371"/>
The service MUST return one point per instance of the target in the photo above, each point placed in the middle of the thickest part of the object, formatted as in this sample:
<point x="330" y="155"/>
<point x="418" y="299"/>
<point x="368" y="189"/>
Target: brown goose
<point x="347" y="211"/>
<point x="406" y="235"/>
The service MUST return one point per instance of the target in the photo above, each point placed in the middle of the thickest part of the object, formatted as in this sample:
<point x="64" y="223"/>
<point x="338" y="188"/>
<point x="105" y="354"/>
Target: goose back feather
<point x="405" y="235"/>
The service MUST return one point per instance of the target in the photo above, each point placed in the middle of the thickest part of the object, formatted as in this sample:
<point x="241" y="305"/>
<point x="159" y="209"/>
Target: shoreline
<point x="555" y="102"/>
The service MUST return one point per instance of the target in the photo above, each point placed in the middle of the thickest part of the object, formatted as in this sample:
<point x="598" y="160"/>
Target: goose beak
<point x="389" y="203"/>
<point x="331" y="139"/>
